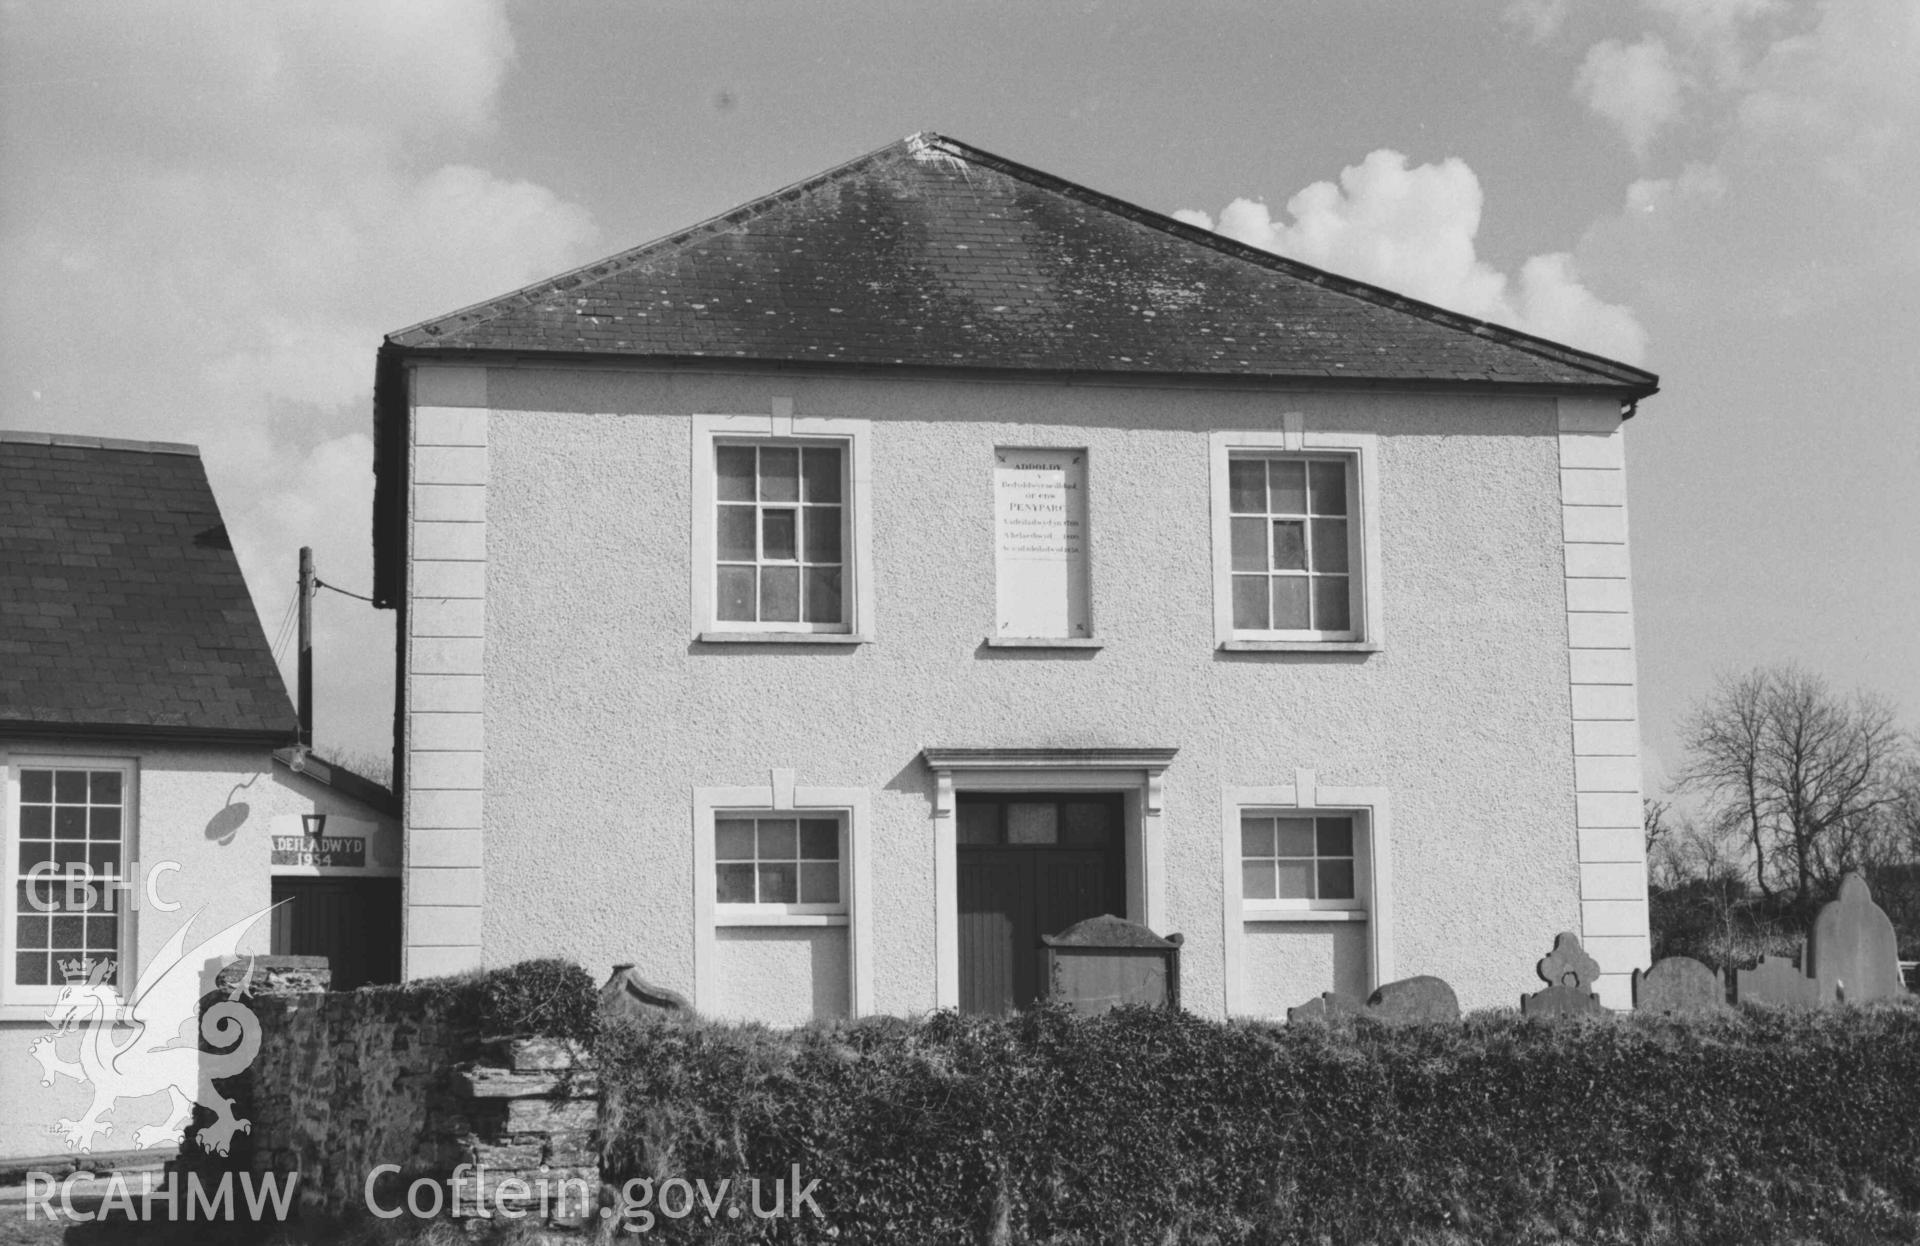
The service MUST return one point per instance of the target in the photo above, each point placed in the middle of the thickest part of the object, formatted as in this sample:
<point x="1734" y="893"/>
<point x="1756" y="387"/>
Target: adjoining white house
<point x="146" y="738"/>
<point x="817" y="606"/>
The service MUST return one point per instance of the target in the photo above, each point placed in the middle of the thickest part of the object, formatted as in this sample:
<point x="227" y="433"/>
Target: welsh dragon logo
<point x="150" y="1049"/>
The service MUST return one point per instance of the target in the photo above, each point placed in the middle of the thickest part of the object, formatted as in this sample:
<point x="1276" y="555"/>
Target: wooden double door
<point x="1030" y="864"/>
<point x="353" y="922"/>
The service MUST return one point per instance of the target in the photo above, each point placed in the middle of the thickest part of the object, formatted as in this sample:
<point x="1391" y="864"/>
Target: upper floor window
<point x="1292" y="541"/>
<point x="780" y="529"/>
<point x="1296" y="546"/>
<point x="780" y="535"/>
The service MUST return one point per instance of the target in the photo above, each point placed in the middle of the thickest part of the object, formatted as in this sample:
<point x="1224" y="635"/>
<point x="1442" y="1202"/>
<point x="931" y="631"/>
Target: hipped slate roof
<point x="122" y="607"/>
<point x="931" y="253"/>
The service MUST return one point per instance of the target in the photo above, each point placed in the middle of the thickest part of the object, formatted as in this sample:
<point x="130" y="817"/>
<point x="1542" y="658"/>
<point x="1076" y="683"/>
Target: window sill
<point x="1301" y="646"/>
<point x="37" y="1014"/>
<point x="1042" y="642"/>
<point x="1302" y="915"/>
<point x="784" y="638"/>
<point x="721" y="920"/>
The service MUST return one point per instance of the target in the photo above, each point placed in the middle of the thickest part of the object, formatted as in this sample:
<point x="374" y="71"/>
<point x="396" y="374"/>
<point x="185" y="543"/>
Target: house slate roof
<point x="932" y="253"/>
<point x="122" y="607"/>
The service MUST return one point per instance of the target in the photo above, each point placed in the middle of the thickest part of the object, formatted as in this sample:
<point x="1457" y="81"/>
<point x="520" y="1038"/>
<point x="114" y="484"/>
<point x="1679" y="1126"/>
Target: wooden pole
<point x="305" y="706"/>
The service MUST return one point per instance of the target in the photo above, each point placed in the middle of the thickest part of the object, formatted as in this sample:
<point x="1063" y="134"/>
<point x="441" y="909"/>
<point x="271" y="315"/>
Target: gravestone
<point x="1678" y="986"/>
<point x="1325" y="1007"/>
<point x="1778" y="982"/>
<point x="1104" y="962"/>
<point x="1414" y="1001"/>
<point x="1568" y="972"/>
<point x="1852" y="949"/>
<point x="627" y="994"/>
<point x="1410" y="1001"/>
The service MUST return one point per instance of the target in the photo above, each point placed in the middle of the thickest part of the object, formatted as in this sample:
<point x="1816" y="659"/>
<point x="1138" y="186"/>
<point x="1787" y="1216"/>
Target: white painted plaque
<point x="1040" y="543"/>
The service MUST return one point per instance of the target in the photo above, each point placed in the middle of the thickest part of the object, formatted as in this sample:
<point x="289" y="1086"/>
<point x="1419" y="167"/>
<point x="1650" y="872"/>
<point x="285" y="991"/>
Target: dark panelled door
<point x="353" y="922"/>
<point x="1031" y="864"/>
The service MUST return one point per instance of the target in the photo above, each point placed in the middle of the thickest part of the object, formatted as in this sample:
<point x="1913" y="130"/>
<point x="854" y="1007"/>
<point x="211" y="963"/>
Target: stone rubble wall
<point x="346" y="1082"/>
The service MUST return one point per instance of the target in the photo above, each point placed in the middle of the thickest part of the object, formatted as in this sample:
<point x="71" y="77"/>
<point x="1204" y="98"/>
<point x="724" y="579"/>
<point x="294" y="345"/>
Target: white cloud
<point x="1635" y="86"/>
<point x="1805" y="163"/>
<point x="1412" y="230"/>
<point x="213" y="213"/>
<point x="1713" y="33"/>
<point x="1834" y="83"/>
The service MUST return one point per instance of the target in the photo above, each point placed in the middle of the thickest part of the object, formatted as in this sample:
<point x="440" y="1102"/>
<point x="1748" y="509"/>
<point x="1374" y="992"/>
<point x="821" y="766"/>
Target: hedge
<point x="1147" y="1126"/>
<point x="550" y="997"/>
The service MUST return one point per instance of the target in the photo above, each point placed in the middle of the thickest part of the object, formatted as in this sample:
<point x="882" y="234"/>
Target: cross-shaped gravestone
<point x="1568" y="972"/>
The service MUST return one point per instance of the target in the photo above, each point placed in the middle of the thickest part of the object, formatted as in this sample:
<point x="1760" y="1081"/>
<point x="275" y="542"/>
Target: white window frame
<point x="768" y="912"/>
<point x="1294" y="440"/>
<point x="11" y="764"/>
<point x="781" y="797"/>
<point x="854" y="437"/>
<point x="1373" y="874"/>
<point x="1284" y="908"/>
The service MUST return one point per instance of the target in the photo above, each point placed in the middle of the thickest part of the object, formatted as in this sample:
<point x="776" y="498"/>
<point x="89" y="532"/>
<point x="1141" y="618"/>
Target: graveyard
<point x="1778" y="1106"/>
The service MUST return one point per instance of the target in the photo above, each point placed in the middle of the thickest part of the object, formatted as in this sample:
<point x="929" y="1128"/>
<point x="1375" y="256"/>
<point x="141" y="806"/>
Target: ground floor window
<point x="782" y="925"/>
<point x="779" y="859"/>
<point x="1308" y="890"/>
<point x="67" y="827"/>
<point x="1291" y="857"/>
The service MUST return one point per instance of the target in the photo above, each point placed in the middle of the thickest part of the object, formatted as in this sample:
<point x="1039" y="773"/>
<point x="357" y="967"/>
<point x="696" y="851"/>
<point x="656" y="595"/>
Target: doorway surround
<point x="1135" y="773"/>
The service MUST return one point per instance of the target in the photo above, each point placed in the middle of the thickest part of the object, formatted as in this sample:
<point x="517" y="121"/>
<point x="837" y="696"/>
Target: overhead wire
<point x="284" y="632"/>
<point x="320" y="583"/>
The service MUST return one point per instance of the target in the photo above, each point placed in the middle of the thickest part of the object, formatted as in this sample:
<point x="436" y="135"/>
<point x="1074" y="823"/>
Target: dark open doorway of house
<point x="353" y="922"/>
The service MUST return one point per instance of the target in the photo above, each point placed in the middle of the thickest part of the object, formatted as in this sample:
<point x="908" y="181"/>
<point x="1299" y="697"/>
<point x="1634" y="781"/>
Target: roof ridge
<point x="1353" y="287"/>
<point x="21" y="436"/>
<point x="632" y="257"/>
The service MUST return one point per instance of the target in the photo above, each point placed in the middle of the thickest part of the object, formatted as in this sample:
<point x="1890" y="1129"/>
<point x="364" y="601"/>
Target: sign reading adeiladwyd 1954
<point x="1040" y="542"/>
<point x="325" y="851"/>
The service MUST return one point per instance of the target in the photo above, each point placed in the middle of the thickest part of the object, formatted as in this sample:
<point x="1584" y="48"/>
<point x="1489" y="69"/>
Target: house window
<point x="66" y="823"/>
<point x="1290" y="857"/>
<point x="780" y="535"/>
<point x="1296" y="542"/>
<point x="793" y="863"/>
<point x="781" y="540"/>
<point x="1293" y="554"/>
<point x="775" y="866"/>
<point x="1307" y="880"/>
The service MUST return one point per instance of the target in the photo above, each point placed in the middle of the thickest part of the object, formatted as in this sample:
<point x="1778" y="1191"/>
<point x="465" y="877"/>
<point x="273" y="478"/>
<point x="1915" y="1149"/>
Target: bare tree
<point x="1725" y="740"/>
<point x="1810" y="779"/>
<point x="1903" y="815"/>
<point x="1663" y="864"/>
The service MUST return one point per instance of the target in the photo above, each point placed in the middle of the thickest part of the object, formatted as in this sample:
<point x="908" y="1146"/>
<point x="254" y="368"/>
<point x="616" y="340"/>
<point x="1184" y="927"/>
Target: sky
<point x="211" y="213"/>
